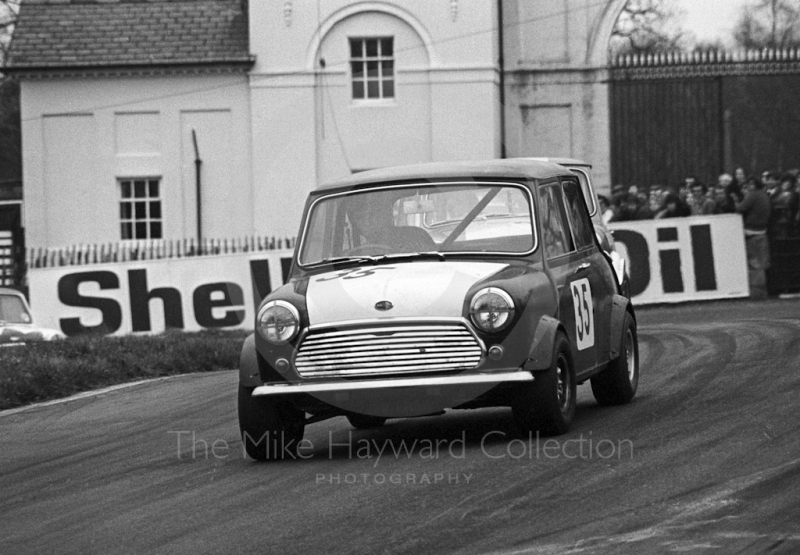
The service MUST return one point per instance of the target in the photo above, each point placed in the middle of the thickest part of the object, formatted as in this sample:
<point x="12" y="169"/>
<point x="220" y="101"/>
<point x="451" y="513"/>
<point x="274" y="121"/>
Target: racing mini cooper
<point x="439" y="286"/>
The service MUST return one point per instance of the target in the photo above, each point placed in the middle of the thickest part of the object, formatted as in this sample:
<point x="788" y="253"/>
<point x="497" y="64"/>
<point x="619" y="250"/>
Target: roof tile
<point x="84" y="33"/>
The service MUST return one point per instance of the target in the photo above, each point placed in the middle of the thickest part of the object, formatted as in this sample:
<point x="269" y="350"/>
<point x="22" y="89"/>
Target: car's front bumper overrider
<point x="388" y="383"/>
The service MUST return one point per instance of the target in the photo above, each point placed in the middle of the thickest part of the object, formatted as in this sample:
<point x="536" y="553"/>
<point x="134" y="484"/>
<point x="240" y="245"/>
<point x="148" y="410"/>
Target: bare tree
<point x="769" y="24"/>
<point x="648" y="26"/>
<point x="705" y="45"/>
<point x="8" y="17"/>
<point x="10" y="154"/>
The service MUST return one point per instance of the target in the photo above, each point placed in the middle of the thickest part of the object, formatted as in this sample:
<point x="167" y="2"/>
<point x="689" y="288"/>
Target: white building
<point x="281" y="96"/>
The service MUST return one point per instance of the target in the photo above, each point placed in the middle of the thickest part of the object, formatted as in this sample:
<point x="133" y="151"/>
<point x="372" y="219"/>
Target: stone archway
<point x="364" y="7"/>
<point x="597" y="53"/>
<point x="351" y="133"/>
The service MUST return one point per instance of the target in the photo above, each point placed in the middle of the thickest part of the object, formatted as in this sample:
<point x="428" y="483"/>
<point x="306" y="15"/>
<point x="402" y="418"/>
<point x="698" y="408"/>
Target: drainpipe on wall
<point x="501" y="63"/>
<point x="198" y="163"/>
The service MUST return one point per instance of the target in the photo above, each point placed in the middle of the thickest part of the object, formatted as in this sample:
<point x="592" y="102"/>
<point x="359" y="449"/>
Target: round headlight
<point x="491" y="309"/>
<point x="278" y="322"/>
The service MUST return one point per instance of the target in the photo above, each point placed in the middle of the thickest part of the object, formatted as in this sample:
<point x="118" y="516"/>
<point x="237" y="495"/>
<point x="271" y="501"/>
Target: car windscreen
<point x="13" y="311"/>
<point x="492" y="218"/>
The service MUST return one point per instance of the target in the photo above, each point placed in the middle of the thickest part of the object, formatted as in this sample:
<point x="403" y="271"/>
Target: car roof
<point x="511" y="168"/>
<point x="563" y="161"/>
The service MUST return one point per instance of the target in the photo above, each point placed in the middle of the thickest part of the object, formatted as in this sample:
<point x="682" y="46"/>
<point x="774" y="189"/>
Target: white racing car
<point x="16" y="323"/>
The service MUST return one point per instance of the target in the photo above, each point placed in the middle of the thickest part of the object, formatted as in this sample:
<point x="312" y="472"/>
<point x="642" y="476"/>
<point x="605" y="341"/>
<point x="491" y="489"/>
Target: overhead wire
<point x="342" y="64"/>
<point x="336" y="128"/>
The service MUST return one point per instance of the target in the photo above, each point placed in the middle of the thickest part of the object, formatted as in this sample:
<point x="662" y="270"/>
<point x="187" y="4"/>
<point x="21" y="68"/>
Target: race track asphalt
<point x="705" y="460"/>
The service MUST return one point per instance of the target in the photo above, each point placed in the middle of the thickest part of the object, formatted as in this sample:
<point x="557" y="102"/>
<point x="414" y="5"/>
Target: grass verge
<point x="43" y="371"/>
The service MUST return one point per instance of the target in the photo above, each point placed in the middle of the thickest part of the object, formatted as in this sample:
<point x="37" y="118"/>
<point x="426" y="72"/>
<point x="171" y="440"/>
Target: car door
<point x="592" y="285"/>
<point x="559" y="251"/>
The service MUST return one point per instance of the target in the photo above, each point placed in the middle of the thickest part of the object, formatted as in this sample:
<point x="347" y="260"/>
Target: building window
<point x="372" y="65"/>
<point x="140" y="208"/>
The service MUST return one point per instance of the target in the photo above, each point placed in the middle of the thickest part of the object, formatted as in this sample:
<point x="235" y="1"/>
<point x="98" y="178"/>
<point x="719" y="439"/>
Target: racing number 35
<point x="584" y="312"/>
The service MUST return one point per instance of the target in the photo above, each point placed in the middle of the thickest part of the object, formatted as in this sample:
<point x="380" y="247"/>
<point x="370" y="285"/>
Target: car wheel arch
<point x="248" y="363"/>
<point x="540" y="357"/>
<point x="620" y="306"/>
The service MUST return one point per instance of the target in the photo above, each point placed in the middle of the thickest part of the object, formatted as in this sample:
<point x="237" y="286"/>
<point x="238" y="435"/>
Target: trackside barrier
<point x="675" y="260"/>
<point x="156" y="294"/>
<point x="684" y="259"/>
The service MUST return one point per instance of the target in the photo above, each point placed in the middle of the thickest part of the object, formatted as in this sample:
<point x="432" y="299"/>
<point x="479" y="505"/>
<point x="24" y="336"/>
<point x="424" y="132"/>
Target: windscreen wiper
<point x="408" y="255"/>
<point x="341" y="260"/>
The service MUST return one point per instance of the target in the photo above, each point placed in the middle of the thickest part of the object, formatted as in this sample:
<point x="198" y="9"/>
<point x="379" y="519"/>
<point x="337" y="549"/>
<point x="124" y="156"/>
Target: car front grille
<point x="388" y="349"/>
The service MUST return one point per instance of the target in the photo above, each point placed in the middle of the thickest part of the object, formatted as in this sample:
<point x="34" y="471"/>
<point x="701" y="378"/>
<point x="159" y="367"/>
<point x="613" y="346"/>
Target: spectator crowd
<point x="769" y="205"/>
<point x="695" y="198"/>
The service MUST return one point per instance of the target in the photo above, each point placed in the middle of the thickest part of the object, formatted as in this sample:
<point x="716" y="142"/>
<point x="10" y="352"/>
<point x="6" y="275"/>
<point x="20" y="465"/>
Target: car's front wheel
<point x="270" y="429"/>
<point x="548" y="404"/>
<point x="617" y="384"/>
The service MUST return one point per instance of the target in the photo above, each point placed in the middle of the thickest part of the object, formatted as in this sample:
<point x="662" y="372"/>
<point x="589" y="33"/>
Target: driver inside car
<point x="371" y="219"/>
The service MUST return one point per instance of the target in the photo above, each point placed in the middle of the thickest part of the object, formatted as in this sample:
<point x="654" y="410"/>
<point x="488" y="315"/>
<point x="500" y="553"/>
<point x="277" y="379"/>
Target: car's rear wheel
<point x="548" y="404"/>
<point x="365" y="421"/>
<point x="270" y="428"/>
<point x="617" y="384"/>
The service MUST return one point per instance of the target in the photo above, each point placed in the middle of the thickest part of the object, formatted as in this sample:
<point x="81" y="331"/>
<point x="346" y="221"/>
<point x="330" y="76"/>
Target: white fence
<point x="77" y="255"/>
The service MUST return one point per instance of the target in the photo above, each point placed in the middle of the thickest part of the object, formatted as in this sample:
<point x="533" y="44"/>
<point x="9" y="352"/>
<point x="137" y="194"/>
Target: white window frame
<point x="136" y="211"/>
<point x="386" y="71"/>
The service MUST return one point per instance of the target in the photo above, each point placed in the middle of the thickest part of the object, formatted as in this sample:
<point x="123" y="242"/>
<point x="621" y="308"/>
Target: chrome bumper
<point x="353" y="385"/>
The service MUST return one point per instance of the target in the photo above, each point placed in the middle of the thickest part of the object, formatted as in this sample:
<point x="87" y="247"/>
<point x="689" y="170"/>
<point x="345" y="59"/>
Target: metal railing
<point x="157" y="249"/>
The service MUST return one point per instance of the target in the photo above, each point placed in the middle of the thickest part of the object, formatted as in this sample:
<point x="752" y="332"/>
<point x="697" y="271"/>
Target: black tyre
<point x="365" y="421"/>
<point x="617" y="384"/>
<point x="270" y="428"/>
<point x="548" y="404"/>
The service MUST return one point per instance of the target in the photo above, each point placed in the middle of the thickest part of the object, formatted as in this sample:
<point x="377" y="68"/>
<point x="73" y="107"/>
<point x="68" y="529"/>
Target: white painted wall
<point x="307" y="130"/>
<point x="269" y="137"/>
<point x="557" y="94"/>
<point x="80" y="135"/>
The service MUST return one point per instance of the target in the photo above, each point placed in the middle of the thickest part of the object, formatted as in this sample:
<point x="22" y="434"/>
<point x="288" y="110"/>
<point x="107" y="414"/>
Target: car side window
<point x="582" y="228"/>
<point x="556" y="239"/>
<point x="12" y="310"/>
<point x="586" y="189"/>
